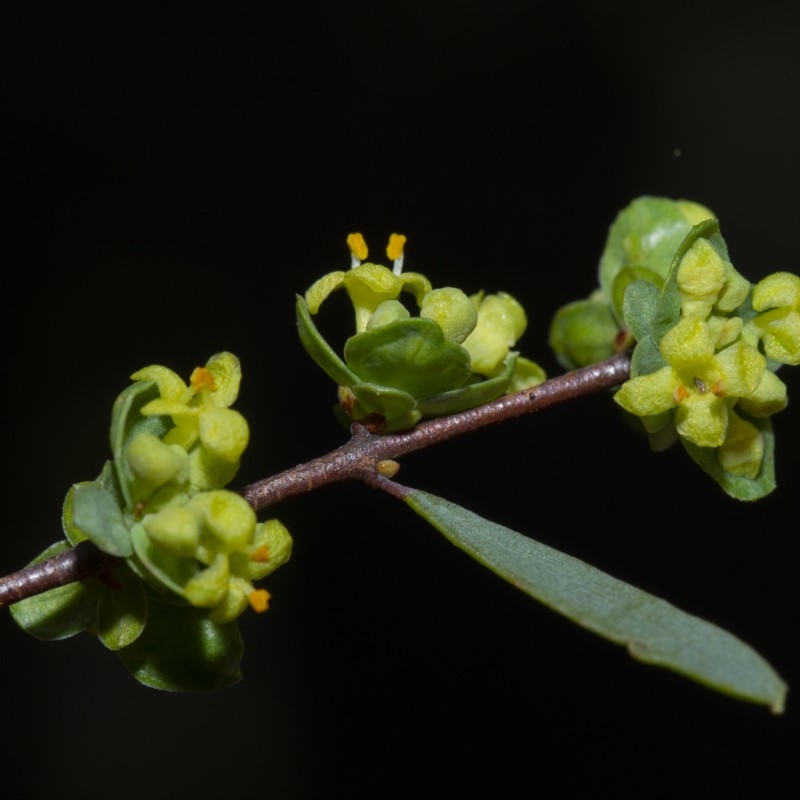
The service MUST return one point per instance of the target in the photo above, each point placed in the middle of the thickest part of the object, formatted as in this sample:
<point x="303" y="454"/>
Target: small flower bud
<point x="153" y="461"/>
<point x="177" y="530"/>
<point x="452" y="310"/>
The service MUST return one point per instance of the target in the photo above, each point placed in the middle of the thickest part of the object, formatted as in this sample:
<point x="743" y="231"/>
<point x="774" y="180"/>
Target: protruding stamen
<point x="358" y="249"/>
<point x="394" y="251"/>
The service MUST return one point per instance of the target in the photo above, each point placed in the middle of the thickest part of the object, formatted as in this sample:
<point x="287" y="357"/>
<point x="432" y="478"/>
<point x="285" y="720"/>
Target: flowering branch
<point x="366" y="457"/>
<point x="361" y="457"/>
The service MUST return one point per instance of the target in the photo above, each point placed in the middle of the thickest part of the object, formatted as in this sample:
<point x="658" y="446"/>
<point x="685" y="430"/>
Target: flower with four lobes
<point x="702" y="384"/>
<point x="189" y="534"/>
<point x="212" y="434"/>
<point x="398" y="368"/>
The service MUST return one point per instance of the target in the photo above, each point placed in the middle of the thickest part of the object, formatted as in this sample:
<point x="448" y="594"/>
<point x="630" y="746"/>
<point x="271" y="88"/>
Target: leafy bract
<point x="181" y="650"/>
<point x="58" y="613"/>
<point x="122" y="610"/>
<point x="653" y="630"/>
<point x="95" y="513"/>
<point x="126" y="423"/>
<point x="411" y="355"/>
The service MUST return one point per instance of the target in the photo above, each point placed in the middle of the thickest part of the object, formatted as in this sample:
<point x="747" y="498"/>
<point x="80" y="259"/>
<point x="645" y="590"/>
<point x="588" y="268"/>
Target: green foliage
<point x="706" y="347"/>
<point x="652" y="630"/>
<point x="188" y="549"/>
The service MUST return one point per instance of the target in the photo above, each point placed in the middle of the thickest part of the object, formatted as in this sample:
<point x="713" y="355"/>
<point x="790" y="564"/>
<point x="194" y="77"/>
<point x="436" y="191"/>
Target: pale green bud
<point x="207" y="471"/>
<point x="778" y="297"/>
<point x="232" y="603"/>
<point x="452" y="310"/>
<point x="175" y="529"/>
<point x="208" y="587"/>
<point x="272" y="547"/>
<point x="224" y="432"/>
<point x="767" y="399"/>
<point x="701" y="276"/>
<point x="743" y="449"/>
<point x="227" y="516"/>
<point x="501" y="322"/>
<point x="153" y="461"/>
<point x="386" y="312"/>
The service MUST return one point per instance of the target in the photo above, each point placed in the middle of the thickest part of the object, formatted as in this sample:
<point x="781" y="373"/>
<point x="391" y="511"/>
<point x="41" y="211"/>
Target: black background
<point x="177" y="174"/>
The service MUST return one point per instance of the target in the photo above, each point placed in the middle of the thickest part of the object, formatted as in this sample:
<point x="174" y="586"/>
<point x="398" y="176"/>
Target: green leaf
<point x="181" y="650"/>
<point x="638" y="306"/>
<point x="73" y="533"/>
<point x="646" y="233"/>
<point x="109" y="481"/>
<point x="471" y="395"/>
<point x="122" y="609"/>
<point x="654" y="631"/>
<point x="58" y="613"/>
<point x="624" y="278"/>
<point x="126" y="423"/>
<point x="411" y="355"/>
<point x="316" y="346"/>
<point x="384" y="400"/>
<point x="95" y="513"/>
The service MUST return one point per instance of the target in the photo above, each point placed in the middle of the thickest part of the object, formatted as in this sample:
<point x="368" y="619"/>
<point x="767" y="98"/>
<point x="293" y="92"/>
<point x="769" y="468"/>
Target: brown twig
<point x="364" y="457"/>
<point x="76" y="564"/>
<point x="359" y="456"/>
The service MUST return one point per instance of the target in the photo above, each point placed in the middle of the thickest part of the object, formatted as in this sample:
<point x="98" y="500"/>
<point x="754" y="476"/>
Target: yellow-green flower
<point x="200" y="411"/>
<point x="706" y="281"/>
<point x="699" y="383"/>
<point x="501" y="323"/>
<point x="219" y="532"/>
<point x="369" y="285"/>
<point x="778" y="297"/>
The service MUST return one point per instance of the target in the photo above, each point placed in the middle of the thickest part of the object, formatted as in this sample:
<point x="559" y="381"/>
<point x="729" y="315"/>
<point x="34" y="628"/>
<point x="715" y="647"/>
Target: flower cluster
<point x="398" y="367"/>
<point x="185" y="551"/>
<point x="713" y="378"/>
<point x="189" y="534"/>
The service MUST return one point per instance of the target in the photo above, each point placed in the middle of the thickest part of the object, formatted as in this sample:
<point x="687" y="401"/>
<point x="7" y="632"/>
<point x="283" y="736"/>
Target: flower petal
<point x="648" y="395"/>
<point x="702" y="418"/>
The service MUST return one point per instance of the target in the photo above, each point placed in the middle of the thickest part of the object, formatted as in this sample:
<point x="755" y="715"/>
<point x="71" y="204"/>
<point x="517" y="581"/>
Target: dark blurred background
<point x="176" y="174"/>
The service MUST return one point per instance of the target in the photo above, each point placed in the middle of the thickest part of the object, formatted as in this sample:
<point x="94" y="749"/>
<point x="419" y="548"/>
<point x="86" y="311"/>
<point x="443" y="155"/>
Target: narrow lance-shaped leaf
<point x="653" y="630"/>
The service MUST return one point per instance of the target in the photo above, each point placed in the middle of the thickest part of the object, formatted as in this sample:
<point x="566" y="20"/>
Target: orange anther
<point x="357" y="245"/>
<point x="395" y="248"/>
<point x="259" y="600"/>
<point x="261" y="554"/>
<point x="679" y="393"/>
<point x="202" y="378"/>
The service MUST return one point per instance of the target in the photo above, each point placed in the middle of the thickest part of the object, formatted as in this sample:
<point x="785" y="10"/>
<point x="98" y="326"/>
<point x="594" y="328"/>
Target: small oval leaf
<point x="96" y="514"/>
